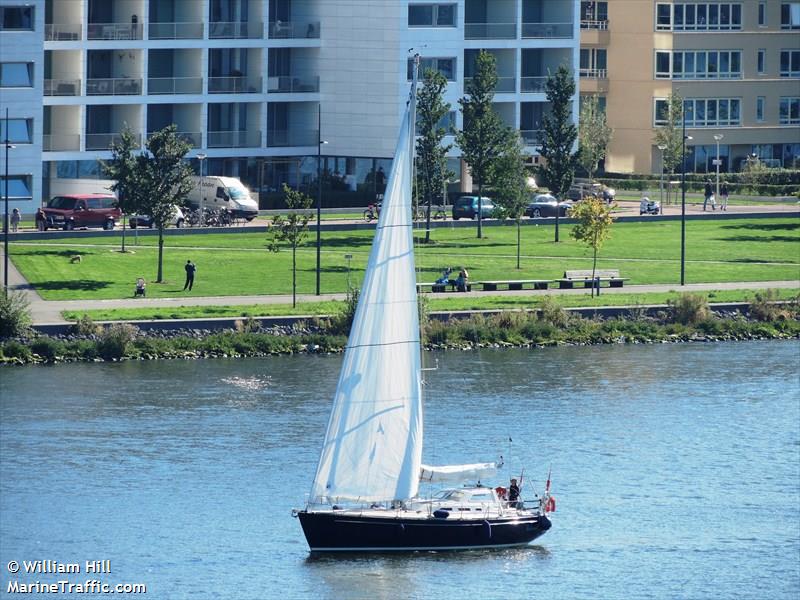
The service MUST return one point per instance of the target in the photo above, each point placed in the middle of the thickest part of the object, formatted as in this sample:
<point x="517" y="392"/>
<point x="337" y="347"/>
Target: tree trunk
<point x="594" y="269"/>
<point x="294" y="275"/>
<point x="480" y="212"/>
<point x="428" y="217"/>
<point x="518" y="241"/>
<point x="558" y="213"/>
<point x="160" y="254"/>
<point x="123" y="233"/>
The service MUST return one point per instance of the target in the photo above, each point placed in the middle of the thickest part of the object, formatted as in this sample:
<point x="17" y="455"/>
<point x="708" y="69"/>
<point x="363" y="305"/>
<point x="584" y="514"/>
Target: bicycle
<point x="373" y="212"/>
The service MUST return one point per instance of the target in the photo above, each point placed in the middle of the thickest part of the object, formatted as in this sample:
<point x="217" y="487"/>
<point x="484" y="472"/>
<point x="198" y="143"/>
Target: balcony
<point x="593" y="73"/>
<point x="532" y="137"/>
<point x="505" y="85"/>
<point x="235" y="30"/>
<point x="61" y="142"/>
<point x="288" y="85"/>
<point x="546" y="31"/>
<point x="104" y="141"/>
<point x="175" y="31"/>
<point x="234" y="85"/>
<point x="62" y="32"/>
<point x="234" y="139"/>
<point x="281" y="30"/>
<point x="195" y="138"/>
<point x="533" y="85"/>
<point x="601" y="25"/>
<point x="490" y="31"/>
<point x="124" y="86"/>
<point x="174" y="85"/>
<point x="281" y="138"/>
<point x="62" y="87"/>
<point x="114" y="31"/>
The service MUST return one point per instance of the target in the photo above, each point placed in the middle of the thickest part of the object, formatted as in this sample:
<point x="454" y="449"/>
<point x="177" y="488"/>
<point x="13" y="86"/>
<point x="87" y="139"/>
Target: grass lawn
<point x="451" y="303"/>
<point x="240" y="264"/>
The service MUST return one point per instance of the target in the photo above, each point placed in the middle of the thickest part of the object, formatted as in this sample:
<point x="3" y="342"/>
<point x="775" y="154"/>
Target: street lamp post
<point x="8" y="146"/>
<point x="320" y="142"/>
<point x="683" y="199"/>
<point x="202" y="157"/>
<point x="661" y="147"/>
<point x="717" y="138"/>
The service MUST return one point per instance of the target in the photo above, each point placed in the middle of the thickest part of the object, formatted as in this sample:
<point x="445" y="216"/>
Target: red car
<point x="82" y="210"/>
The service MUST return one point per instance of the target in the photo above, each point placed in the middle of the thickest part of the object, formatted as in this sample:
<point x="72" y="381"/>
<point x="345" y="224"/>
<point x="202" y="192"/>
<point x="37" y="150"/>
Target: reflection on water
<point x="670" y="464"/>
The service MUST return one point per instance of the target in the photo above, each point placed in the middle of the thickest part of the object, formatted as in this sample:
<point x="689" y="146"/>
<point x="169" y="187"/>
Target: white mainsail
<point x="373" y="445"/>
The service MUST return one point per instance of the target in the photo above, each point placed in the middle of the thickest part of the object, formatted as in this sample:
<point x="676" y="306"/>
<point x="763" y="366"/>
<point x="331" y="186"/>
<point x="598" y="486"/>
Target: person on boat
<point x="513" y="494"/>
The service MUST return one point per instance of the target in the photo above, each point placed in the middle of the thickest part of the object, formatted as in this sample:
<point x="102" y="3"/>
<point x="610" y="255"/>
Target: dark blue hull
<point x="339" y="532"/>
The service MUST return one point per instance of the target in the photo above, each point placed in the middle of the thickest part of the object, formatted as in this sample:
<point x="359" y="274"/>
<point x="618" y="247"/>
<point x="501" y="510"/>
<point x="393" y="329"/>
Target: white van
<point x="223" y="192"/>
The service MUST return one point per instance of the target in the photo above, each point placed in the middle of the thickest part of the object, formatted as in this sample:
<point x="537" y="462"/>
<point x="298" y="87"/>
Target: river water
<point x="676" y="469"/>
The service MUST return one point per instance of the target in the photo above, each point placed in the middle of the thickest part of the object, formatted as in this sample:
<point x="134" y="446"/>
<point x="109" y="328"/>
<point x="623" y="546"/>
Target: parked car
<point x="82" y="210"/>
<point x="544" y="205"/>
<point x="178" y="219"/>
<point x="466" y="207"/>
<point x="579" y="191"/>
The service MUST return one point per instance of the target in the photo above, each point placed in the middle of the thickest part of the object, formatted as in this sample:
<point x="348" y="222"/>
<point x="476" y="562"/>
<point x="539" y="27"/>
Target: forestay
<point x="373" y="445"/>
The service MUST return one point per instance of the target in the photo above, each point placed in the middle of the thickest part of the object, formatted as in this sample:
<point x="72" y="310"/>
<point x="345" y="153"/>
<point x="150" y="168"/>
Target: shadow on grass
<point x="763" y="239"/>
<point x="82" y="285"/>
<point x="64" y="253"/>
<point x="351" y="241"/>
<point x="764" y="226"/>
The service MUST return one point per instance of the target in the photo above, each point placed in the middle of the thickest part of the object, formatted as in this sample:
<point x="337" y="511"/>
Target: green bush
<point x="116" y="340"/>
<point x="14" y="349"/>
<point x="552" y="312"/>
<point x="85" y="325"/>
<point x="340" y="324"/>
<point x="47" y="348"/>
<point x="689" y="309"/>
<point x="764" y="307"/>
<point x="15" y="318"/>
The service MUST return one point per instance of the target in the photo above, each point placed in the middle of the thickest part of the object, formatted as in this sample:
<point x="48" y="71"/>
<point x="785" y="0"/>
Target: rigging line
<point x="383" y="344"/>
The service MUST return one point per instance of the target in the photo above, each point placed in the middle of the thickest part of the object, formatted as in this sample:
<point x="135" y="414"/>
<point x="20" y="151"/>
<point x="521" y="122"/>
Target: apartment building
<point x="249" y="82"/>
<point x="736" y="63"/>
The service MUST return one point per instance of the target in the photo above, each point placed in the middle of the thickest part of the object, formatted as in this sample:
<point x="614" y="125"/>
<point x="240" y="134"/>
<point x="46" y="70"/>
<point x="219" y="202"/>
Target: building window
<point x="762" y="61"/>
<point x="702" y="112"/>
<point x="699" y="64"/>
<point x="790" y="15"/>
<point x="19" y="187"/>
<point x="760" y="109"/>
<point x="702" y="16"/>
<point x="593" y="63"/>
<point x="16" y="18"/>
<point x="594" y="15"/>
<point x="16" y="74"/>
<point x="445" y="66"/>
<point x="762" y="14"/>
<point x="431" y="15"/>
<point x="789" y="111"/>
<point x="20" y="131"/>
<point x="790" y="63"/>
<point x="447" y="122"/>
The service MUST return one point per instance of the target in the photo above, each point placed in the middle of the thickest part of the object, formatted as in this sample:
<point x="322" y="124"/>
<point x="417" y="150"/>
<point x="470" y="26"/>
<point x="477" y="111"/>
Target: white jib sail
<point x="457" y="473"/>
<point x="373" y="445"/>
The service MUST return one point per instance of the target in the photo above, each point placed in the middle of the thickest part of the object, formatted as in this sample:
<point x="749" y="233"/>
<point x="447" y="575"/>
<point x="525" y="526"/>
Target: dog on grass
<point x="75" y="259"/>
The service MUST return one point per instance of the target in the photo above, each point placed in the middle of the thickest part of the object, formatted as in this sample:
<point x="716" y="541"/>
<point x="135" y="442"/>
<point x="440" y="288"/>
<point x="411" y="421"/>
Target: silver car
<point x="545" y="205"/>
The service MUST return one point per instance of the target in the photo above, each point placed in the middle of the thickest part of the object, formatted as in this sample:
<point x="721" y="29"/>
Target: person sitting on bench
<point x="461" y="281"/>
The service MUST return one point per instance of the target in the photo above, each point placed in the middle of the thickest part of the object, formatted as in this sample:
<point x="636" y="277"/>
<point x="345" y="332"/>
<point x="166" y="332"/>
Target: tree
<point x="560" y="134"/>
<point x="291" y="229"/>
<point x="432" y="172"/>
<point x="670" y="135"/>
<point x="593" y="226"/>
<point x="510" y="184"/>
<point x="484" y="135"/>
<point x="166" y="181"/>
<point x="594" y="134"/>
<point x="122" y="169"/>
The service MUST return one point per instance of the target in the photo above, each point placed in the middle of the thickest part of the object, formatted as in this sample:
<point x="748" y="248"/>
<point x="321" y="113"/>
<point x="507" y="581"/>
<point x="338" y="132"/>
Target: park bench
<point x="439" y="287"/>
<point x="514" y="284"/>
<point x="585" y="277"/>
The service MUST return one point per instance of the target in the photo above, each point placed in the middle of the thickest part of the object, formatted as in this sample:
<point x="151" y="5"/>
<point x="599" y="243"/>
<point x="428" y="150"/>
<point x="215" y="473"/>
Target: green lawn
<point x="240" y="264"/>
<point x="450" y="303"/>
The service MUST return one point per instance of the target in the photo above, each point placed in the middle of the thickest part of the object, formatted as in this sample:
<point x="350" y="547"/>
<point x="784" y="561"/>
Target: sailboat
<point x="365" y="494"/>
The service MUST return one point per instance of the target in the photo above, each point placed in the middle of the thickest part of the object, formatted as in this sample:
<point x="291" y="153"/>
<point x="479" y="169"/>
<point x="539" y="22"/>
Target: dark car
<point x="82" y="210"/>
<point x="544" y="205"/>
<point x="466" y="207"/>
<point x="579" y="191"/>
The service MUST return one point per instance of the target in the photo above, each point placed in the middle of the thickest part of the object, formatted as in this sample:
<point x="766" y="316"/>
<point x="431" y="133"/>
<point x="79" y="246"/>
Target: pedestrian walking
<point x="41" y="219"/>
<point x="723" y="196"/>
<point x="15" y="219"/>
<point x="190" y="268"/>
<point x="709" y="196"/>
